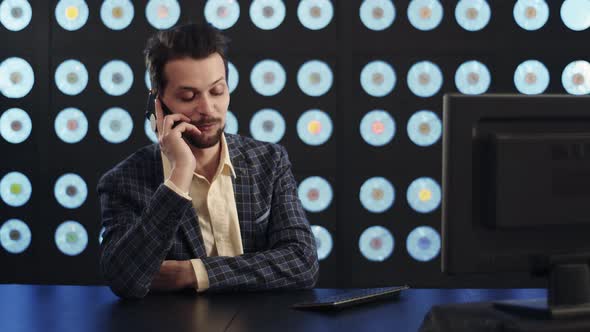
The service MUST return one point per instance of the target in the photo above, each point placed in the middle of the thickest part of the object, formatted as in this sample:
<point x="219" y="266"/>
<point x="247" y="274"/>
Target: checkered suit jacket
<point x="146" y="222"/>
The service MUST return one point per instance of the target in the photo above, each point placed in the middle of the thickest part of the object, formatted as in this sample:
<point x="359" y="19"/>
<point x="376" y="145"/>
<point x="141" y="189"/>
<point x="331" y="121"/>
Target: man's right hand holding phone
<point x="174" y="147"/>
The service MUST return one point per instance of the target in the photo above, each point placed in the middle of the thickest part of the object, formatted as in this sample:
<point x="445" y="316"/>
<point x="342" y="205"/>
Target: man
<point x="201" y="209"/>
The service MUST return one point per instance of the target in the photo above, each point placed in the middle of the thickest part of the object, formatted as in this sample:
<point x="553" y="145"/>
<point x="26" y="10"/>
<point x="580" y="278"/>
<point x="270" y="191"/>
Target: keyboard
<point x="351" y="298"/>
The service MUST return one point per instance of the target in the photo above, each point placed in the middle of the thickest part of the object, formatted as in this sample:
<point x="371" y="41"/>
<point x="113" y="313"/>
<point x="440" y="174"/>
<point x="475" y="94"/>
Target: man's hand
<point x="174" y="275"/>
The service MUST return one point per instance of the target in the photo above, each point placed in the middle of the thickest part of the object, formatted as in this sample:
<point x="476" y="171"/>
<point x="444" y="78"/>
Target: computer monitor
<point x="516" y="193"/>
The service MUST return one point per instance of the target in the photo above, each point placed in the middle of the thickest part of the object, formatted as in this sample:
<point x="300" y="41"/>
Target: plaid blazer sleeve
<point x="290" y="259"/>
<point x="139" y="228"/>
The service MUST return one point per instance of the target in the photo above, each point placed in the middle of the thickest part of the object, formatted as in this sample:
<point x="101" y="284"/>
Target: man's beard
<point x="204" y="142"/>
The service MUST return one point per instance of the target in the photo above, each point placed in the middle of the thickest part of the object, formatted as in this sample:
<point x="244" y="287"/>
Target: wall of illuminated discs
<point x="353" y="90"/>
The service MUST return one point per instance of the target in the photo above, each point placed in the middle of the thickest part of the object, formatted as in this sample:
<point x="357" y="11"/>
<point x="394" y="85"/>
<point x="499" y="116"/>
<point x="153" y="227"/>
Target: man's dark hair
<point x="194" y="40"/>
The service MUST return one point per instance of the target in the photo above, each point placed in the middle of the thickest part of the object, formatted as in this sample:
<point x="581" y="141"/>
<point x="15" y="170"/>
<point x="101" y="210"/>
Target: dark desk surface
<point x="94" y="308"/>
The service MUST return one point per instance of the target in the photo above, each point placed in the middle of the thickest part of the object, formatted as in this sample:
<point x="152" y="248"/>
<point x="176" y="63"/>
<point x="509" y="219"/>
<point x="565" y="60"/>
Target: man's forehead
<point x="190" y="72"/>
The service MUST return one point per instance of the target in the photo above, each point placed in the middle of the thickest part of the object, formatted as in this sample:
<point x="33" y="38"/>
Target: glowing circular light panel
<point x="315" y="78"/>
<point x="425" y="15"/>
<point x="267" y="14"/>
<point x="315" y="14"/>
<point x="15" y="15"/>
<point x="16" y="77"/>
<point x="377" y="128"/>
<point x="473" y="15"/>
<point x="323" y="241"/>
<point x="117" y="14"/>
<point x="162" y="14"/>
<point x="15" y="125"/>
<point x="71" y="238"/>
<point x="231" y="123"/>
<point x="424" y="79"/>
<point x="531" y="14"/>
<point x="71" y="77"/>
<point x="315" y="194"/>
<point x="424" y="195"/>
<point x="423" y="243"/>
<point x="70" y="191"/>
<point x="115" y="125"/>
<point x="575" y="14"/>
<point x="268" y="77"/>
<point x="222" y="14"/>
<point x="576" y="78"/>
<point x="472" y="78"/>
<point x="376" y="243"/>
<point x="531" y="77"/>
<point x="424" y="128"/>
<point x="377" y="194"/>
<point x="15" y="236"/>
<point x="267" y="125"/>
<point x="71" y="15"/>
<point x="115" y="77"/>
<point x="378" y="78"/>
<point x="377" y="15"/>
<point x="314" y="127"/>
<point x="15" y="189"/>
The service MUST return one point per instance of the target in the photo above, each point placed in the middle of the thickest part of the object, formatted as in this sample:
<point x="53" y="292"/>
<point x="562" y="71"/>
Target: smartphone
<point x="150" y="112"/>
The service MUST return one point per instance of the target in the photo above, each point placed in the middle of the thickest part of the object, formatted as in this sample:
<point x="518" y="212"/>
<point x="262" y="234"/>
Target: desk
<point x="27" y="308"/>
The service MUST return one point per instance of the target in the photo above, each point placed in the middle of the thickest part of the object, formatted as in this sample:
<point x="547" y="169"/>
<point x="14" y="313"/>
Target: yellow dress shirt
<point x="216" y="209"/>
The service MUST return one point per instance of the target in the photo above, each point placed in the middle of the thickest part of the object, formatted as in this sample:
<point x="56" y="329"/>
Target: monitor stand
<point x="568" y="295"/>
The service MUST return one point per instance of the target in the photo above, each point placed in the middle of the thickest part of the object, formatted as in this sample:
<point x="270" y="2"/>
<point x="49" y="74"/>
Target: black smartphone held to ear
<point x="150" y="112"/>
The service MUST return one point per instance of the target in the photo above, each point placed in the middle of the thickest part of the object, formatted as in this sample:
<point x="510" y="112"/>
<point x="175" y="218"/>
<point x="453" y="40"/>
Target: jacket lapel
<point x="242" y="185"/>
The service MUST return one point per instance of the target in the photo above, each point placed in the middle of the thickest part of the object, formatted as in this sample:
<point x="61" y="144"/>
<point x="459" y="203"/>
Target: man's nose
<point x="205" y="106"/>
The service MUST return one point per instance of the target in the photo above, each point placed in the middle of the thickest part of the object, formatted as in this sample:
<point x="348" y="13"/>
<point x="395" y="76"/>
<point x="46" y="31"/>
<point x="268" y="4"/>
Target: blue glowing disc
<point x="315" y="78"/>
<point x="267" y="14"/>
<point x="575" y="14"/>
<point x="377" y="128"/>
<point x="115" y="125"/>
<point x="233" y="77"/>
<point x="70" y="191"/>
<point x="148" y="82"/>
<point x="423" y="243"/>
<point x="231" y="123"/>
<point x="162" y="14"/>
<point x="576" y="77"/>
<point x="149" y="133"/>
<point x="15" y="189"/>
<point x="71" y="125"/>
<point x="531" y="77"/>
<point x="377" y="194"/>
<point x="378" y="78"/>
<point x="472" y="78"/>
<point x="116" y="77"/>
<point x="323" y="241"/>
<point x="424" y="195"/>
<point x="376" y="243"/>
<point x="424" y="128"/>
<point x="531" y="14"/>
<point x="314" y="127"/>
<point x="222" y="14"/>
<point x="315" y="194"/>
<point x="15" y="236"/>
<point x="425" y="79"/>
<point x="15" y="125"/>
<point x="425" y="15"/>
<point x="16" y="77"/>
<point x="377" y="15"/>
<point x="71" y="238"/>
<point x="315" y="14"/>
<point x="268" y="77"/>
<point x="15" y="15"/>
<point x="71" y="77"/>
<point x="267" y="125"/>
<point x="71" y="15"/>
<point x="473" y="15"/>
<point x="117" y="14"/>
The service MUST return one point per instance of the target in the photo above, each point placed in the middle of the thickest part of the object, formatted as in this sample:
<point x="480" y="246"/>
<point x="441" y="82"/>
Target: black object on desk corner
<point x="348" y="298"/>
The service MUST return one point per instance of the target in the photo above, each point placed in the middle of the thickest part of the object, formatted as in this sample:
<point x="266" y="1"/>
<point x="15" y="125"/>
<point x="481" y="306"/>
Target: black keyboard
<point x="351" y="297"/>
